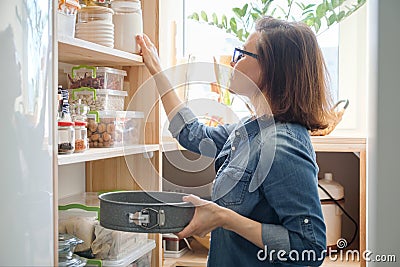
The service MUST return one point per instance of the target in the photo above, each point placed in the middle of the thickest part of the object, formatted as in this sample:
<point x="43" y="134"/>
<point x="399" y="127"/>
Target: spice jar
<point x="81" y="141"/>
<point x="66" y="137"/>
<point x="128" y="23"/>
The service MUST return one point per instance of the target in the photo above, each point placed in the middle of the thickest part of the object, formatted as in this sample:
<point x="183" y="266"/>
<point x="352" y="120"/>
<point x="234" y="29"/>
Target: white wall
<point x="383" y="179"/>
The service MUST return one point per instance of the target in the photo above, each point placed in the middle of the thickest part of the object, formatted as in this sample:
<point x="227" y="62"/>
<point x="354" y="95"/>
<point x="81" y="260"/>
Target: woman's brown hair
<point x="294" y="78"/>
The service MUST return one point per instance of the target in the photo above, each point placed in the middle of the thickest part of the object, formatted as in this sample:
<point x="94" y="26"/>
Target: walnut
<point x="106" y="137"/>
<point x="110" y="128"/>
<point x="92" y="126"/>
<point x="95" y="137"/>
<point x="102" y="128"/>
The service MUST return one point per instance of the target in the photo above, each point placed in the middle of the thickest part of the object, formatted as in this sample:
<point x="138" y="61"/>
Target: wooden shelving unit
<point x="107" y="168"/>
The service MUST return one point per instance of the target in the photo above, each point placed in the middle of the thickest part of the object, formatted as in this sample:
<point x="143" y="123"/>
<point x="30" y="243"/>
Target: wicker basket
<point x="338" y="114"/>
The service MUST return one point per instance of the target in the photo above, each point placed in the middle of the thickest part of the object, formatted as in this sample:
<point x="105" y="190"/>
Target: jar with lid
<point x="81" y="140"/>
<point x="128" y="23"/>
<point x="95" y="14"/>
<point x="66" y="137"/>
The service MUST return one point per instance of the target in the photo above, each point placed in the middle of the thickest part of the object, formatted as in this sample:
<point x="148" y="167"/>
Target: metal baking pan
<point x="145" y="212"/>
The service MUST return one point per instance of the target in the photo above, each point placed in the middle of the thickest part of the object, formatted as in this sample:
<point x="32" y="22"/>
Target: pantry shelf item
<point x="145" y="212"/>
<point x="66" y="137"/>
<point x="95" y="77"/>
<point x="66" y="248"/>
<point x="98" y="99"/>
<point x="81" y="140"/>
<point x="128" y="128"/>
<point x="128" y="23"/>
<point x="101" y="128"/>
<point x="95" y="25"/>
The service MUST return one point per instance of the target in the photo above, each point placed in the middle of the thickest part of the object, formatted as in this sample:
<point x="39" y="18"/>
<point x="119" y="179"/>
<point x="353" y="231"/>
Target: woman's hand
<point x="149" y="53"/>
<point x="207" y="217"/>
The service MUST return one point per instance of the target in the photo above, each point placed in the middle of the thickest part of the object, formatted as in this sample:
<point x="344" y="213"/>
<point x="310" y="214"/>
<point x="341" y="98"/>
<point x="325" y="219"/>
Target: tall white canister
<point x="128" y="23"/>
<point x="332" y="213"/>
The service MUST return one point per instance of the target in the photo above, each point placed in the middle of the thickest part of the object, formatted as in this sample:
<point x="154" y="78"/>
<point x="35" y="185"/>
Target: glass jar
<point x="95" y="14"/>
<point x="128" y="23"/>
<point x="81" y="140"/>
<point x="66" y="137"/>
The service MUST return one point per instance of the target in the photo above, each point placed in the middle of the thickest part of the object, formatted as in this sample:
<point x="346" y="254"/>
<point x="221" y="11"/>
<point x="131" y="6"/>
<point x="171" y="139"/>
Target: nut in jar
<point x="101" y="128"/>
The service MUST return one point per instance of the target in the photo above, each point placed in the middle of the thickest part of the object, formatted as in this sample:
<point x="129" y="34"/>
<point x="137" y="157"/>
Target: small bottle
<point x="66" y="137"/>
<point x="81" y="140"/>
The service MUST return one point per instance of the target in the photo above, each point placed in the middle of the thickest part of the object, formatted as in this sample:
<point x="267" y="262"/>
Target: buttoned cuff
<point x="178" y="122"/>
<point x="275" y="237"/>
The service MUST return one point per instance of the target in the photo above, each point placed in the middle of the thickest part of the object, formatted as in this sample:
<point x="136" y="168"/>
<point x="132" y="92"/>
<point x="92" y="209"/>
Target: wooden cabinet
<point x="136" y="167"/>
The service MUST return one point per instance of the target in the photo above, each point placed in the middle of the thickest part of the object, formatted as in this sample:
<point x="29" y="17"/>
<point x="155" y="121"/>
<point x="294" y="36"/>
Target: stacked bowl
<point x="95" y="25"/>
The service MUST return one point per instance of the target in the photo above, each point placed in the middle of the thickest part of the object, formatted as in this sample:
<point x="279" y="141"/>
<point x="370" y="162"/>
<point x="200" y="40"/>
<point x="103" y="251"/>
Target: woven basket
<point x="338" y="114"/>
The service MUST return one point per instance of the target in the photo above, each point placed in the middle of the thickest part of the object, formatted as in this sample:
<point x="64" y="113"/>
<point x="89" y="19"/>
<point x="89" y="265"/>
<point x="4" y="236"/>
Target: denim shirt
<point x="266" y="172"/>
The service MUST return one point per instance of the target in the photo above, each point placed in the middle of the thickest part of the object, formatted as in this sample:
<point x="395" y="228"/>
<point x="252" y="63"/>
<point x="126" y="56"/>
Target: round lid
<point x="335" y="189"/>
<point x="65" y="123"/>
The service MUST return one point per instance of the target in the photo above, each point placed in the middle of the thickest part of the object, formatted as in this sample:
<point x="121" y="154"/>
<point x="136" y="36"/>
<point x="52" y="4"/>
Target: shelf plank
<point x="338" y="143"/>
<point x="320" y="143"/>
<point x="73" y="50"/>
<point x="105" y="153"/>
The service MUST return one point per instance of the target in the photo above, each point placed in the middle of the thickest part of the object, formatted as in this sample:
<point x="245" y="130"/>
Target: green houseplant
<point x="319" y="16"/>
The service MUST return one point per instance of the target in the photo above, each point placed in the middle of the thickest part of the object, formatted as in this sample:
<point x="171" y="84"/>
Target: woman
<point x="279" y="222"/>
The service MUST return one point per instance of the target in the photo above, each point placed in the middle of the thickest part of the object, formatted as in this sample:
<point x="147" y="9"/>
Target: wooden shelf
<point x="337" y="143"/>
<point x="105" y="153"/>
<point x="171" y="146"/>
<point x="73" y="50"/>
<point x="330" y="143"/>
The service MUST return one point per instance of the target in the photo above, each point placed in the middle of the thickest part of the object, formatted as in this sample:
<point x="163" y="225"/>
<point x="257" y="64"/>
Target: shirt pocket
<point x="230" y="186"/>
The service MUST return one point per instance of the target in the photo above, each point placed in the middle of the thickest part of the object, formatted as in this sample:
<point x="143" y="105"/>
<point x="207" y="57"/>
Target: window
<point x="343" y="45"/>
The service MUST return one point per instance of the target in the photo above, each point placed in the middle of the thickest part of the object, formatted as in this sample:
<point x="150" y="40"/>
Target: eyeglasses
<point x="239" y="53"/>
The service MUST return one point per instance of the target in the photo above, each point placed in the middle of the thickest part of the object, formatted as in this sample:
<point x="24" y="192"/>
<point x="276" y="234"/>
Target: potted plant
<point x="319" y="16"/>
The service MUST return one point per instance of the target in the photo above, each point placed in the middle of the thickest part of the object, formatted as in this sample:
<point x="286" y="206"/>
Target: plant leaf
<point x="233" y="24"/>
<point x="238" y="12"/>
<point x="224" y="21"/>
<point x="321" y="10"/>
<point x="215" y="18"/>
<point x="194" y="16"/>
<point x="204" y="16"/>
<point x="332" y="19"/>
<point x="244" y="9"/>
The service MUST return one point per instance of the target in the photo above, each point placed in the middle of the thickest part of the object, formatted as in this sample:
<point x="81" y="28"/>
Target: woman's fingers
<point x="195" y="200"/>
<point x="141" y="42"/>
<point x="147" y="40"/>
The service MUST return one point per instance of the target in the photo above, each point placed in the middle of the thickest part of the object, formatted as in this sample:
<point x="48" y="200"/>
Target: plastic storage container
<point x="332" y="213"/>
<point x="111" y="248"/>
<point x="128" y="128"/>
<point x="95" y="77"/>
<point x="98" y="99"/>
<point x="66" y="24"/>
<point x="66" y="137"/>
<point x="139" y="257"/>
<point x="128" y="23"/>
<point x="101" y="128"/>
